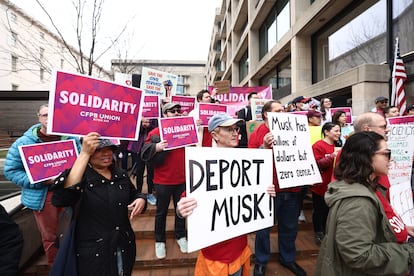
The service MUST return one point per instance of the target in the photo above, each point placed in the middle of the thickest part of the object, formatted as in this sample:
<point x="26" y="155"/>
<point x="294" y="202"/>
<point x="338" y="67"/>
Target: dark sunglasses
<point x="175" y="110"/>
<point x="386" y="153"/>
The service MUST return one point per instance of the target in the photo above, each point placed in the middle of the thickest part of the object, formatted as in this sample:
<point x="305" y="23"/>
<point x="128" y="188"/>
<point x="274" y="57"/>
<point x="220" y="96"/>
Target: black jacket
<point x="11" y="244"/>
<point x="245" y="114"/>
<point x="103" y="224"/>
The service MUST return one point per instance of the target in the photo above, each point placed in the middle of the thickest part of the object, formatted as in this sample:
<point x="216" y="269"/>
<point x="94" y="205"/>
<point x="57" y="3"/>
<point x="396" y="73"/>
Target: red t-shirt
<point x="255" y="142"/>
<point x="172" y="170"/>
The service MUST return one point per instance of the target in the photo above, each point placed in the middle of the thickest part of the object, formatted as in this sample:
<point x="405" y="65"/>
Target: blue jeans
<point x="164" y="194"/>
<point x="286" y="213"/>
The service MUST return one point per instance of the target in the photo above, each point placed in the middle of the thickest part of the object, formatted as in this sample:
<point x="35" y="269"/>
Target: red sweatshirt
<point x="172" y="170"/>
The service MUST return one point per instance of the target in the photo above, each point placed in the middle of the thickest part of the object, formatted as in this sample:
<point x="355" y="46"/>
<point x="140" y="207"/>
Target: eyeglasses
<point x="383" y="102"/>
<point x="232" y="130"/>
<point x="381" y="126"/>
<point x="43" y="115"/>
<point x="174" y="111"/>
<point x="386" y="153"/>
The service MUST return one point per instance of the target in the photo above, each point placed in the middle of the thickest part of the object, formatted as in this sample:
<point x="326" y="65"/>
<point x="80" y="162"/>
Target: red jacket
<point x="172" y="169"/>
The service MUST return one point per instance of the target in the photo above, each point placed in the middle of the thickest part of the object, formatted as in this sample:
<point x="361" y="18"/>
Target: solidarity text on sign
<point x="295" y="163"/>
<point x="229" y="185"/>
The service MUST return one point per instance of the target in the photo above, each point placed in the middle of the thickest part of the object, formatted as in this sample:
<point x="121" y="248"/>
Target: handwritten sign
<point x="44" y="161"/>
<point x="178" y="131"/>
<point x="295" y="163"/>
<point x="152" y="81"/>
<point x="151" y="108"/>
<point x="80" y="104"/>
<point x="206" y="111"/>
<point x="230" y="188"/>
<point x="257" y="105"/>
<point x="187" y="103"/>
<point x="222" y="87"/>
<point x="401" y="143"/>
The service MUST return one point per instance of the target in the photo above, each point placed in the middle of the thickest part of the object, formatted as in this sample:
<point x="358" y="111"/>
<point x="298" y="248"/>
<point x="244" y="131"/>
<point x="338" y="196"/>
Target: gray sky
<point x="158" y="29"/>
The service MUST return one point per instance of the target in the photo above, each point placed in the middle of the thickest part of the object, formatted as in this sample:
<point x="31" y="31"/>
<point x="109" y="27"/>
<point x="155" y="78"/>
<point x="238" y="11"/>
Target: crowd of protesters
<point x="351" y="215"/>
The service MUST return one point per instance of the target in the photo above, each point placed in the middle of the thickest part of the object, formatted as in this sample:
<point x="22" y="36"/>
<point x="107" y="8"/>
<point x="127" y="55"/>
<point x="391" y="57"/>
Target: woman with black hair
<point x="325" y="152"/>
<point x="339" y="118"/>
<point x="360" y="238"/>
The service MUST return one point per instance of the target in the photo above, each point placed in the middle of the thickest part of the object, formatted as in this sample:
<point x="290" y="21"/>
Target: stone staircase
<point x="179" y="264"/>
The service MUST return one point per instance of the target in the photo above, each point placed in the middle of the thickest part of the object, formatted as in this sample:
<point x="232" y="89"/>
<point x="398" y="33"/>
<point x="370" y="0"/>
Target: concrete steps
<point x="177" y="263"/>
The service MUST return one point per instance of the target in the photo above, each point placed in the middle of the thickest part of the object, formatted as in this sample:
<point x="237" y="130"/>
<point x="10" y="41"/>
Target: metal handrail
<point x="16" y="209"/>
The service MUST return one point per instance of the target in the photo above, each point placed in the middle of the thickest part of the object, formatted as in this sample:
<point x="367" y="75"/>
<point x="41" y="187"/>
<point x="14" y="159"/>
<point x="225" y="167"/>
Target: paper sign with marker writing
<point x="401" y="143"/>
<point x="295" y="163"/>
<point x="229" y="185"/>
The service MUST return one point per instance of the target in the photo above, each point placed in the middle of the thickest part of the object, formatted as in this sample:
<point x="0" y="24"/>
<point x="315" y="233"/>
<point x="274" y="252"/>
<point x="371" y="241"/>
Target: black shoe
<point x="295" y="268"/>
<point x="259" y="270"/>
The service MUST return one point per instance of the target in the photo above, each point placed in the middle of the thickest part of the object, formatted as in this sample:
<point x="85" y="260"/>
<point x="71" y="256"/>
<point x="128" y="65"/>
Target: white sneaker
<point x="160" y="250"/>
<point x="182" y="243"/>
<point x="302" y="217"/>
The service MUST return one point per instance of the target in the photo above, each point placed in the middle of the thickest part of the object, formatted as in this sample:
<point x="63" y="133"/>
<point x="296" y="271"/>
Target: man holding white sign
<point x="231" y="187"/>
<point x="286" y="200"/>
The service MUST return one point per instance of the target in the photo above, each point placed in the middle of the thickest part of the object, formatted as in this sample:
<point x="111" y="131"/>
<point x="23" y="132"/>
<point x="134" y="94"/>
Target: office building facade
<point x="341" y="49"/>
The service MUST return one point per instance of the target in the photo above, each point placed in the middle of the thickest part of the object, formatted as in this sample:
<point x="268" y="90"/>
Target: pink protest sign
<point x="206" y="111"/>
<point x="187" y="103"/>
<point x="47" y="160"/>
<point x="80" y="104"/>
<point x="401" y="120"/>
<point x="347" y="110"/>
<point x="299" y="112"/>
<point x="151" y="108"/>
<point x="178" y="131"/>
<point x="237" y="98"/>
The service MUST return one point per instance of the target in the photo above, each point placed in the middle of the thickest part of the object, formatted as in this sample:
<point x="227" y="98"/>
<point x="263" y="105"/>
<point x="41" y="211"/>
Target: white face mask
<point x="305" y="106"/>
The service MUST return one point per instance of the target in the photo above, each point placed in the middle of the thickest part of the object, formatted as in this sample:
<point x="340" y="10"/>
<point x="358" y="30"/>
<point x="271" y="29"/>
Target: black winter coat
<point x="103" y="224"/>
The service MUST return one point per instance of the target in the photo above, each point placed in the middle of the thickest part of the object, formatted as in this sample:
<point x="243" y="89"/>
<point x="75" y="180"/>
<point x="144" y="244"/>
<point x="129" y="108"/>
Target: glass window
<point x="243" y="66"/>
<point x="41" y="53"/>
<point x="13" y="17"/>
<point x="283" y="20"/>
<point x="14" y="64"/>
<point x="403" y="14"/>
<point x="353" y="39"/>
<point x="13" y="39"/>
<point x="180" y="85"/>
<point x="42" y="74"/>
<point x="280" y="79"/>
<point x="274" y="27"/>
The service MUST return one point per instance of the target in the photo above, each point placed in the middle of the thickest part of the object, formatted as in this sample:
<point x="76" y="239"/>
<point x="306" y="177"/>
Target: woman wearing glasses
<point x="363" y="234"/>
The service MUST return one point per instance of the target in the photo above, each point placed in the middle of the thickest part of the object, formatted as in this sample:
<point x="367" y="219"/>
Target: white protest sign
<point x="229" y="185"/>
<point x="401" y="143"/>
<point x="256" y="107"/>
<point x="154" y="82"/>
<point x="292" y="151"/>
